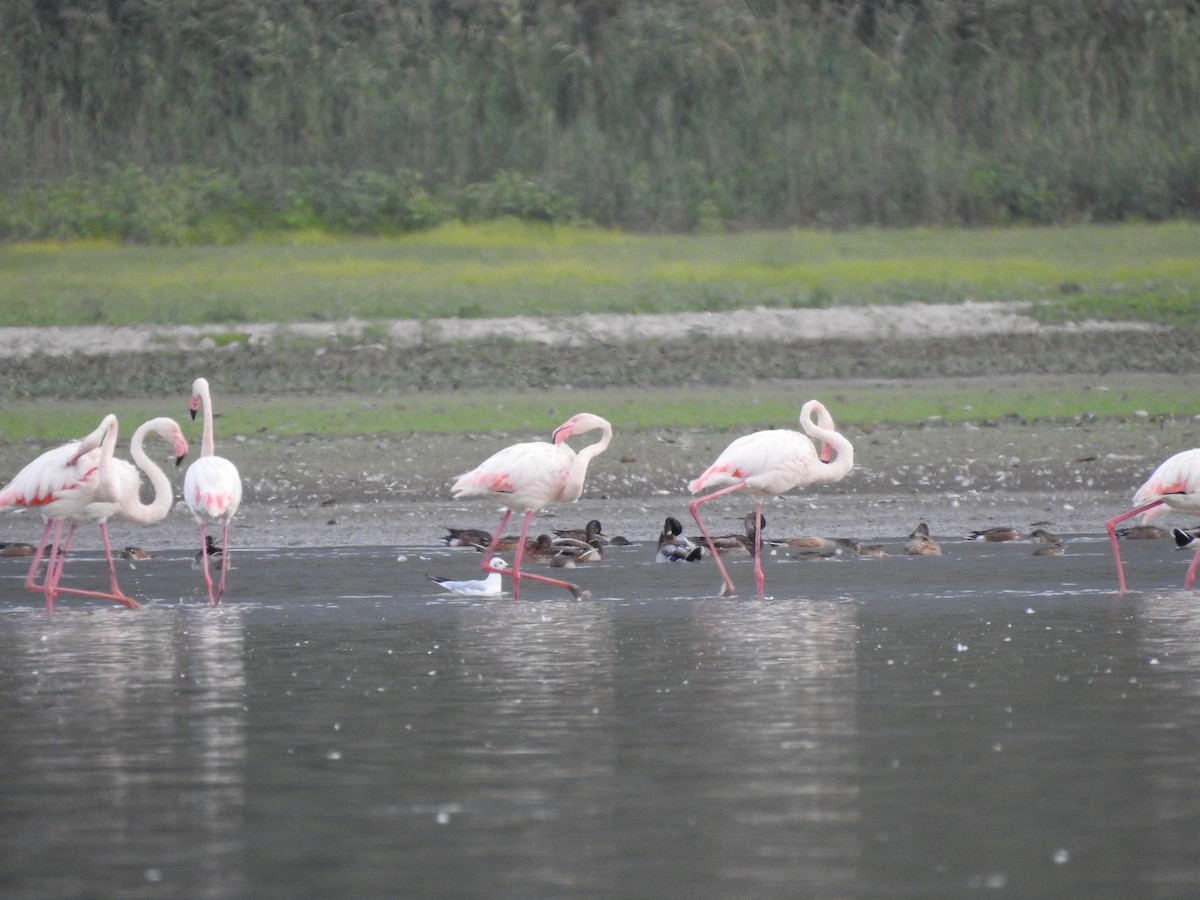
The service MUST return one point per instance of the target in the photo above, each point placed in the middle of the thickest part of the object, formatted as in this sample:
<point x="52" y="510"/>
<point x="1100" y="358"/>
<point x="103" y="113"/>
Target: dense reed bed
<point x="206" y="120"/>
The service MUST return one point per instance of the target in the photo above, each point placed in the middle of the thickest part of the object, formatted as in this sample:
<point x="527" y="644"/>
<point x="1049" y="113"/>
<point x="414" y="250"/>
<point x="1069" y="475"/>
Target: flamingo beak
<point x="193" y="406"/>
<point x="826" y="453"/>
<point x="562" y="433"/>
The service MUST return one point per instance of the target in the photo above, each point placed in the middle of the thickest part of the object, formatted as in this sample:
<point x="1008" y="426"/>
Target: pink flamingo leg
<point x="727" y="590"/>
<point x="117" y="595"/>
<point x="515" y="571"/>
<point x="204" y="559"/>
<point x="1112" y="536"/>
<point x="758" y="572"/>
<point x="224" y="565"/>
<point x="31" y="578"/>
<point x="1191" y="575"/>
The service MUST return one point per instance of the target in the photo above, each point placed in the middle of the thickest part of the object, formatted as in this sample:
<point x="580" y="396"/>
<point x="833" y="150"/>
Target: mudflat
<point x="392" y="489"/>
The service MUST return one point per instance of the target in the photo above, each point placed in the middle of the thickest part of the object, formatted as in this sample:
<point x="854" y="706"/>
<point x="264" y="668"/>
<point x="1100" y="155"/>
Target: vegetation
<point x="710" y="408"/>
<point x="1131" y="272"/>
<point x="184" y="121"/>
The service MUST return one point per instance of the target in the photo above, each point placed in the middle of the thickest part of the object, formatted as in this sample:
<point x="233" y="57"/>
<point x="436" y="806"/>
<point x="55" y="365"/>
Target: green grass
<point x="534" y="415"/>
<point x="1141" y="272"/>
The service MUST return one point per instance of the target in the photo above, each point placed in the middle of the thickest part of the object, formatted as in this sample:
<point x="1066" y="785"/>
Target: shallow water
<point x="898" y="727"/>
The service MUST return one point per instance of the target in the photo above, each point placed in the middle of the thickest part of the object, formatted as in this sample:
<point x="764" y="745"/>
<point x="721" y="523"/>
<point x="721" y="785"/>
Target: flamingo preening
<point x="59" y="483"/>
<point x="769" y="463"/>
<point x="126" y="504"/>
<point x="525" y="477"/>
<point x="212" y="488"/>
<point x="1174" y="484"/>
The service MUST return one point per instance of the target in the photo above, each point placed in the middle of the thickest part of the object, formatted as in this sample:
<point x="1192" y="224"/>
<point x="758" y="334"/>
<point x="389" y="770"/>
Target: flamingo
<point x="1175" y="483"/>
<point x="769" y="463"/>
<point x="525" y="477"/>
<point x="59" y="483"/>
<point x="212" y="489"/>
<point x="126" y="503"/>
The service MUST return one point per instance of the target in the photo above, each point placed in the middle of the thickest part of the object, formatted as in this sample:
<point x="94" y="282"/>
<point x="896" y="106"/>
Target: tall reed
<point x="651" y="114"/>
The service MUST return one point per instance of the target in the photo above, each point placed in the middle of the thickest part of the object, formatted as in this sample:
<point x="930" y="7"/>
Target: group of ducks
<point x="83" y="483"/>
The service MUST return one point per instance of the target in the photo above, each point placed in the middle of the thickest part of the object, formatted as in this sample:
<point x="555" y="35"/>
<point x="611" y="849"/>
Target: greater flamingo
<point x="1175" y="483"/>
<point x="525" y="477"/>
<point x="60" y="483"/>
<point x="212" y="488"/>
<point x="768" y="463"/>
<point x="126" y="504"/>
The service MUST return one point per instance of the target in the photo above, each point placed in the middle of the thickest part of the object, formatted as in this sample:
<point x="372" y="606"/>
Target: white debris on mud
<point x="906" y="321"/>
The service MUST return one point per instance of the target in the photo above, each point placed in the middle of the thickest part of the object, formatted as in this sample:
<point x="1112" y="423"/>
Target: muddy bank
<point x="741" y="347"/>
<point x="393" y="490"/>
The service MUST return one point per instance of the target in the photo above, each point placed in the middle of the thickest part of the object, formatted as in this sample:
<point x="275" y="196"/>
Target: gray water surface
<point x="987" y="722"/>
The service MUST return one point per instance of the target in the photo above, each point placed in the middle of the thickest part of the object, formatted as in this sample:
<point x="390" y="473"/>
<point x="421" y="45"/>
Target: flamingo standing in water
<point x="212" y="488"/>
<point x="1176" y="483"/>
<point x="127" y="503"/>
<point x="58" y="484"/>
<point x="525" y="477"/>
<point x="768" y="463"/>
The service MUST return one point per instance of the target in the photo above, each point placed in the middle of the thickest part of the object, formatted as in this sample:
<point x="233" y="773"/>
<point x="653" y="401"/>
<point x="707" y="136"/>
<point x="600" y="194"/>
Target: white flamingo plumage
<point x="127" y="502"/>
<point x="212" y="488"/>
<point x="525" y="477"/>
<point x="1174" y="484"/>
<point x="769" y="463"/>
<point x="59" y="483"/>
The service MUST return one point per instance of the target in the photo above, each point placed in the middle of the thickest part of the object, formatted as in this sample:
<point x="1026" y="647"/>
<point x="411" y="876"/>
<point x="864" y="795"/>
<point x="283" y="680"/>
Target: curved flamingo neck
<point x="573" y="486"/>
<point x="157" y="509"/>
<point x="823" y="430"/>
<point x="107" y="486"/>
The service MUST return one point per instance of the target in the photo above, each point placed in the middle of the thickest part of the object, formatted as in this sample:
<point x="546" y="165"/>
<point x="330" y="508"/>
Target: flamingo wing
<point x="1175" y="483"/>
<point x="56" y="482"/>
<point x="768" y="461"/>
<point x="522" y="476"/>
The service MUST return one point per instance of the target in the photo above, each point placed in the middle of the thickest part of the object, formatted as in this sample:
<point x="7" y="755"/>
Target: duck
<point x="673" y="546"/>
<point x="567" y="556"/>
<point x="1144" y="533"/>
<point x="997" y="534"/>
<point x="1185" y="537"/>
<point x="1043" y="536"/>
<point x="870" y="550"/>
<point x="132" y="552"/>
<point x="467" y="537"/>
<point x="479" y="587"/>
<point x="215" y="554"/>
<point x="16" y="549"/>
<point x="540" y="549"/>
<point x="593" y="531"/>
<point x="1055" y="549"/>
<point x="738" y="544"/>
<point x="919" y="542"/>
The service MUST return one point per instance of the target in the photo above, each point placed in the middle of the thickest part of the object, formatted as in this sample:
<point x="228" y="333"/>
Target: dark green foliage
<point x="201" y="120"/>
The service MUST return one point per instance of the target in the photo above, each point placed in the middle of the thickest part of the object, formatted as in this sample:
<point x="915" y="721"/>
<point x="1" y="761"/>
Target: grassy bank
<point x="1128" y="272"/>
<point x="528" y="414"/>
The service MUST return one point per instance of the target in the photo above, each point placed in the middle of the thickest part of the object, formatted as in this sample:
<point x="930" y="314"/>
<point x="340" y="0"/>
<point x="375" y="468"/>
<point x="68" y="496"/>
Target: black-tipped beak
<point x="178" y="461"/>
<point x="193" y="415"/>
